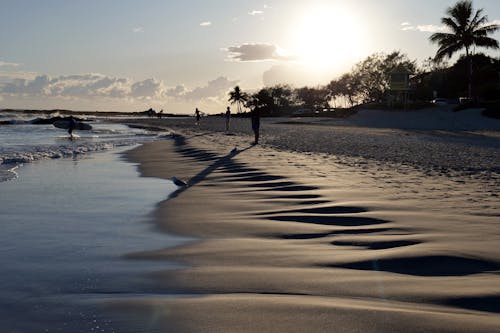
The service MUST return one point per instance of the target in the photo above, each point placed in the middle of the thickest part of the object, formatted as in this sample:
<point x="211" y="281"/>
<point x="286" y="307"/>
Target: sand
<point x="396" y="232"/>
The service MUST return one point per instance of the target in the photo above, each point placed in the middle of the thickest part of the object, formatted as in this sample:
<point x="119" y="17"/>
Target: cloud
<point x="432" y="28"/>
<point x="88" y="86"/>
<point x="255" y="12"/>
<point x="205" y="24"/>
<point x="9" y="76"/>
<point x="258" y="52"/>
<point x="8" y="64"/>
<point x="150" y="88"/>
<point x="94" y="86"/>
<point x="39" y="85"/>
<point x="406" y="26"/>
<point x="177" y="91"/>
<point x="138" y="29"/>
<point x="101" y="92"/>
<point x="213" y="89"/>
<point x="82" y="86"/>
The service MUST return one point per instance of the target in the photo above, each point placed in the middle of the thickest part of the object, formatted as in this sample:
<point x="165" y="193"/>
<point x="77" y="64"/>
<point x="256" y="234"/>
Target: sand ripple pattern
<point x="280" y="252"/>
<point x="353" y="228"/>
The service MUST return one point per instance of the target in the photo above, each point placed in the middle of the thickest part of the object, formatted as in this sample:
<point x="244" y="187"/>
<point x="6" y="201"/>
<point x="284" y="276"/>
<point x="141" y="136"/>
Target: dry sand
<point x="325" y="229"/>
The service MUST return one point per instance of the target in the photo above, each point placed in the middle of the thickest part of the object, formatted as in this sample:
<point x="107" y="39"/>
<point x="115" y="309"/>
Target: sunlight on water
<point x="25" y="143"/>
<point x="66" y="225"/>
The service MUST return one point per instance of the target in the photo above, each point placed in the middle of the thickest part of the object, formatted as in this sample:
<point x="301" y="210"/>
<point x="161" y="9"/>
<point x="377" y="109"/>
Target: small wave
<point x="26" y="143"/>
<point x="11" y="159"/>
<point x="8" y="172"/>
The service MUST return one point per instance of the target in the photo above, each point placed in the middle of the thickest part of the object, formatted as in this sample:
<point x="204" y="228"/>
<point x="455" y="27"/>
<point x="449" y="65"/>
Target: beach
<point x="324" y="227"/>
<point x="70" y="210"/>
<point x="287" y="166"/>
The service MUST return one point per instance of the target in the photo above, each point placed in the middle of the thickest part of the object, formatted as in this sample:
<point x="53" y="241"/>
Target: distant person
<point x="197" y="114"/>
<point x="228" y="118"/>
<point x="255" y="115"/>
<point x="71" y="126"/>
<point x="160" y="114"/>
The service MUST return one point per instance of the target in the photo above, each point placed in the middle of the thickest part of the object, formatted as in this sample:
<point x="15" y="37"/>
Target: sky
<point x="130" y="55"/>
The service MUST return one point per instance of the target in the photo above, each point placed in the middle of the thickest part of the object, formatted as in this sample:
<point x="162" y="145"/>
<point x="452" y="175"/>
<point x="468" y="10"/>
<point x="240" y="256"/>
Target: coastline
<point x="309" y="241"/>
<point x="66" y="225"/>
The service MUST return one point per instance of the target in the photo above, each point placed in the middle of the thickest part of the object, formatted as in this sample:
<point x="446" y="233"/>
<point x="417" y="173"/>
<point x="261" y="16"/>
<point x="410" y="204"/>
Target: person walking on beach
<point x="198" y="116"/>
<point x="255" y="115"/>
<point x="228" y="118"/>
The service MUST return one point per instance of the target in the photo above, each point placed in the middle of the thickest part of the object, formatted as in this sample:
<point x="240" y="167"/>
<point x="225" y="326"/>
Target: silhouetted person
<point x="160" y="114"/>
<point x="71" y="126"/>
<point x="228" y="118"/>
<point x="255" y="115"/>
<point x="197" y="114"/>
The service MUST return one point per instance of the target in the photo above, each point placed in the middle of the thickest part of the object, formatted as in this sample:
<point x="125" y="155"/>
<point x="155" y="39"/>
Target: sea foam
<point x="22" y="142"/>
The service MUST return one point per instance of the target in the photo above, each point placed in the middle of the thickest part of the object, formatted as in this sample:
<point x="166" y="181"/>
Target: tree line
<point x="475" y="76"/>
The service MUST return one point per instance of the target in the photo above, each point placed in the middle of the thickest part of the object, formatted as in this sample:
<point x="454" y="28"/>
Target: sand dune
<point x="307" y="242"/>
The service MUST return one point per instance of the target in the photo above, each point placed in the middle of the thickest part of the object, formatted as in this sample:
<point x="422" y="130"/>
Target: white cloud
<point x="432" y="28"/>
<point x="80" y="86"/>
<point x="407" y="26"/>
<point x="95" y="87"/>
<point x="88" y="86"/>
<point x="213" y="90"/>
<point x="205" y="24"/>
<point x="177" y="91"/>
<point x="255" y="12"/>
<point x="8" y="64"/>
<point x="138" y="29"/>
<point x="149" y="88"/>
<point x="258" y="52"/>
<point x="9" y="76"/>
<point x="38" y="86"/>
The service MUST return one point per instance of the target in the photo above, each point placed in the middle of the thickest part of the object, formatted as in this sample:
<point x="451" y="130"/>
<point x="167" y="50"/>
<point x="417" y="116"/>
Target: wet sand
<point x="295" y="235"/>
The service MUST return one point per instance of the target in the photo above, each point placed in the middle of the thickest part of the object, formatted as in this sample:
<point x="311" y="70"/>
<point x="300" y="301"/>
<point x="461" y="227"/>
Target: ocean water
<point x="22" y="142"/>
<point x="67" y="223"/>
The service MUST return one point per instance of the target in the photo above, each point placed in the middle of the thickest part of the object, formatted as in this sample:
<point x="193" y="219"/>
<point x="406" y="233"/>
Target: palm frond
<point x="488" y="29"/>
<point x="451" y="24"/>
<point x="486" y="42"/>
<point x="467" y="28"/>
<point x="477" y="19"/>
<point x="447" y="51"/>
<point x="461" y="12"/>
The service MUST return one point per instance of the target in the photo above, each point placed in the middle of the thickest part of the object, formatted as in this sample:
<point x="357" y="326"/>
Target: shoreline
<point x="67" y="224"/>
<point x="396" y="144"/>
<point x="287" y="241"/>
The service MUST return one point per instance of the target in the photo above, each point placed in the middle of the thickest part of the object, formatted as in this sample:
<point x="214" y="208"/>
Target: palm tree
<point x="466" y="29"/>
<point x="238" y="97"/>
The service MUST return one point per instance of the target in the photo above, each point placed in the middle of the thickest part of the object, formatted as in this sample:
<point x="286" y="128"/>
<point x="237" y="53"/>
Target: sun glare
<point x="328" y="37"/>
